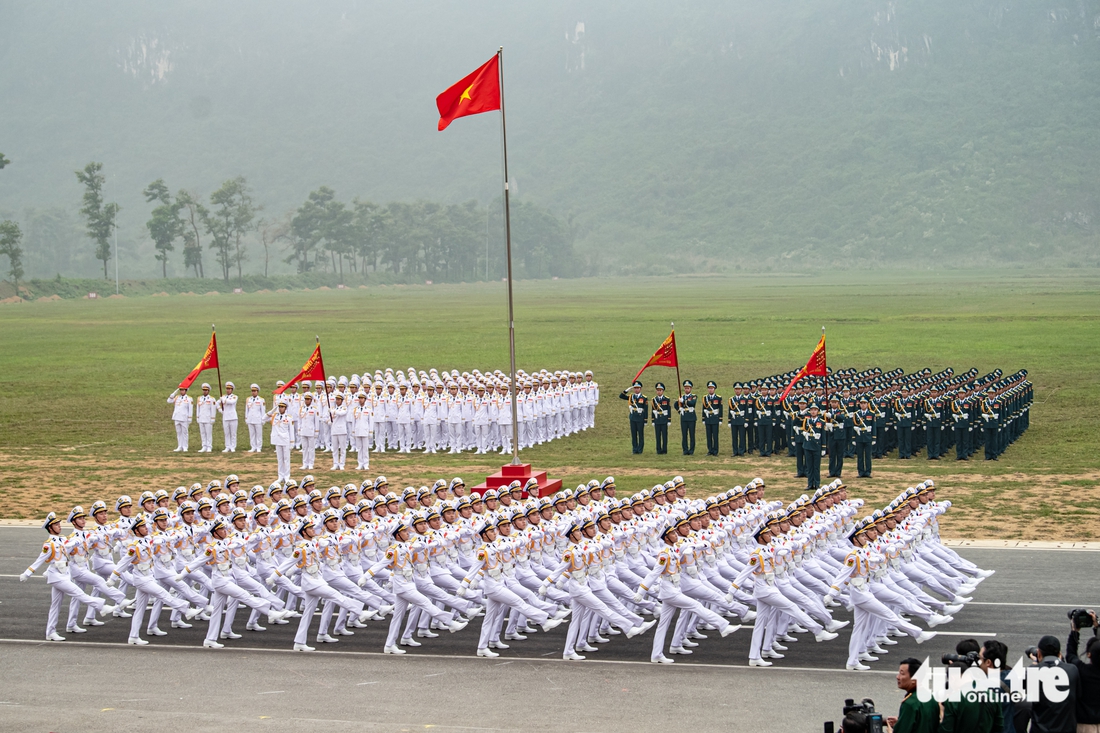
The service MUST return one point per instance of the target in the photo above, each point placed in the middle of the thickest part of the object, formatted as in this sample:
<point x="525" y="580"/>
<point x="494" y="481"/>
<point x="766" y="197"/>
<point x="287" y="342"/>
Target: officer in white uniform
<point x="361" y="419"/>
<point x="227" y="406"/>
<point x="255" y="411"/>
<point x="338" y="420"/>
<point x="308" y="424"/>
<point x="183" y="408"/>
<point x="206" y="412"/>
<point x="281" y="438"/>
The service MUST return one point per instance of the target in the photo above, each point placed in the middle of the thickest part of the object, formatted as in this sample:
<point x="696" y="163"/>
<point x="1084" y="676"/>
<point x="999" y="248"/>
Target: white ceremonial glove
<point x="178" y="577"/>
<point x="729" y="597"/>
<point x="271" y="580"/>
<point x="542" y="591"/>
<point x="24" y="575"/>
<point x="461" y="592"/>
<point x="638" y="597"/>
<point x="362" y="582"/>
<point x="112" y="582"/>
<point x="827" y="599"/>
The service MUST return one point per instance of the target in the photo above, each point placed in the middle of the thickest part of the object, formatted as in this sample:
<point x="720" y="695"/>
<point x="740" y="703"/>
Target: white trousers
<point x="431" y="437"/>
<point x="362" y="452"/>
<point x="206" y="435"/>
<point x="255" y="436"/>
<point x="181" y="434"/>
<point x="229" y="428"/>
<point x="506" y="438"/>
<point x="66" y="587"/>
<point x="339" y="452"/>
<point x="282" y="453"/>
<point x="309" y="451"/>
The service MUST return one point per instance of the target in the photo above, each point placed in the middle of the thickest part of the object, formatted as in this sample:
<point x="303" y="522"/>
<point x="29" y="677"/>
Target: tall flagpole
<point x="214" y="335"/>
<point x="508" y="255"/>
<point x="679" y="385"/>
<point x="826" y="372"/>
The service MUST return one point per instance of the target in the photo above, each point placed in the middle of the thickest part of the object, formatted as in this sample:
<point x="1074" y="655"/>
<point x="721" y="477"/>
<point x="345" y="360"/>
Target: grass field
<point x="83" y="386"/>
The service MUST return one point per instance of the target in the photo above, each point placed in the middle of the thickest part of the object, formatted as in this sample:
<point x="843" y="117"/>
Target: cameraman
<point x="854" y="723"/>
<point x="994" y="655"/>
<point x="913" y="716"/>
<point x="1088" y="694"/>
<point x="972" y="716"/>
<point x="1049" y="716"/>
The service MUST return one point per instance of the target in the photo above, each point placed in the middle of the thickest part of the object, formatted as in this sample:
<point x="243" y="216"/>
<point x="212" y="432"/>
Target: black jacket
<point x="1056" y="717"/>
<point x="1088" y="694"/>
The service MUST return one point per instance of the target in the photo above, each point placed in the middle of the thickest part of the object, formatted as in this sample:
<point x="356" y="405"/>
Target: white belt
<point x="859" y="582"/>
<point x="81" y="560"/>
<point x="312" y="570"/>
<point x="103" y="553"/>
<point x="494" y="573"/>
<point x="332" y="562"/>
<point x="578" y="574"/>
<point x="61" y="566"/>
<point x="406" y="572"/>
<point x="222" y="566"/>
<point x="143" y="567"/>
<point x="673" y="578"/>
<point x="266" y="555"/>
<point x="693" y="571"/>
<point x="353" y="557"/>
<point x="187" y="552"/>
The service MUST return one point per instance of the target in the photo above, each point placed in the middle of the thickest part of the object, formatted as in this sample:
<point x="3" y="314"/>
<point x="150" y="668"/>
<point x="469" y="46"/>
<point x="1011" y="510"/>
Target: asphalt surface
<point x="257" y="681"/>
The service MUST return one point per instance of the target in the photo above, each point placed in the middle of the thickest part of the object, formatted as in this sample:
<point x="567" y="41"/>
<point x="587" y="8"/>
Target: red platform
<point x="522" y="472"/>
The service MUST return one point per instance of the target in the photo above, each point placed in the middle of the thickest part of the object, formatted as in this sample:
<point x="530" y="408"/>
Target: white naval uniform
<point x="361" y="418"/>
<point x="227" y="406"/>
<point x="59" y="580"/>
<point x="206" y="412"/>
<point x="183" y="408"/>
<point x="255" y="413"/>
<point x="308" y="423"/>
<point x="338" y="419"/>
<point x="281" y="438"/>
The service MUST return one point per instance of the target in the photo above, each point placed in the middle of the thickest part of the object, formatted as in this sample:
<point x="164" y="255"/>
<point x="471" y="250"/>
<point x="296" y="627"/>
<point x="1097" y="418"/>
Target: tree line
<point x="412" y="240"/>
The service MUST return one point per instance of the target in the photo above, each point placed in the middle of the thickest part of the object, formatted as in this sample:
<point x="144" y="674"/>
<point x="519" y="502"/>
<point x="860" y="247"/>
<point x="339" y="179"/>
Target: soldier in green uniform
<point x="903" y="409"/>
<point x="639" y="413"/>
<point x="765" y="420"/>
<point x="686" y="406"/>
<point x="813" y="429"/>
<point x="850" y="405"/>
<point x="738" y="419"/>
<point x="991" y="414"/>
<point x="881" y="407"/>
<point x="662" y="412"/>
<point x="712" y="417"/>
<point x="933" y="417"/>
<point x="863" y="425"/>
<point x="836" y="436"/>
<point x="750" y="417"/>
<point x="799" y="455"/>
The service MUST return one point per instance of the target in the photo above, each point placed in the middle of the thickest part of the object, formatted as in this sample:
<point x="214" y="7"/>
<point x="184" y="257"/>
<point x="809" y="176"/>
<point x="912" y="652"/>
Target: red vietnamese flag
<point x="815" y="367"/>
<point x="664" y="356"/>
<point x="209" y="361"/>
<point x="313" y="370"/>
<point x="476" y="93"/>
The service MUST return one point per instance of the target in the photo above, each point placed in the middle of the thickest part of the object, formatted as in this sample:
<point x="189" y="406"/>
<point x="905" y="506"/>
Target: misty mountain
<point x="671" y="136"/>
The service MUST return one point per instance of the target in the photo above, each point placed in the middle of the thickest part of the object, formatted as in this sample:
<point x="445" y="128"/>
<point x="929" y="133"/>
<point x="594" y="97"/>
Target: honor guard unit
<point x="430" y="411"/>
<point x="432" y="559"/>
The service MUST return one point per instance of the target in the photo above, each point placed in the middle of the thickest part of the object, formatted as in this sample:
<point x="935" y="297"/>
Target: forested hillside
<point x="645" y="136"/>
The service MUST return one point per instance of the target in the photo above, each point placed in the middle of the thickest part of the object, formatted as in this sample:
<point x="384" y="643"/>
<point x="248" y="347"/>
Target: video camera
<point x="1080" y="618"/>
<point x="965" y="661"/>
<point x="865" y="708"/>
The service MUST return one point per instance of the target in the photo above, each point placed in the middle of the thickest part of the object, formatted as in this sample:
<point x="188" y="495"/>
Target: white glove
<point x="24" y="575"/>
<point x="271" y="580"/>
<point x="729" y="597"/>
<point x="178" y="577"/>
<point x="638" y="597"/>
<point x="827" y="599"/>
<point x="363" y="582"/>
<point x="461" y="592"/>
<point x="112" y="582"/>
<point x="542" y="591"/>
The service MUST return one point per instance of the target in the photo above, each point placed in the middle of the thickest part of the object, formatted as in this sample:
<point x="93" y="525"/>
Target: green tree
<point x="228" y="222"/>
<point x="166" y="226"/>
<point x="4" y="161"/>
<point x="98" y="216"/>
<point x="10" y="237"/>
<point x="192" y="241"/>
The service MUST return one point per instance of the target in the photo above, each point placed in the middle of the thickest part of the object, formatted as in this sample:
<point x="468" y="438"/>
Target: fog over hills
<point x="662" y="136"/>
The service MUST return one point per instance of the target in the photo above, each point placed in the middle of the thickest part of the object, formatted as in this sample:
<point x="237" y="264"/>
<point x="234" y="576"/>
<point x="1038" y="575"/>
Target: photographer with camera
<point x="1088" y="692"/>
<point x="994" y="655"/>
<point x="913" y="716"/>
<point x="965" y="715"/>
<point x="1050" y="716"/>
<point x="860" y="717"/>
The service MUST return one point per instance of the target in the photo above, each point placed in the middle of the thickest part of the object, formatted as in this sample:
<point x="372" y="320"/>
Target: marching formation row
<point x="443" y="557"/>
<point x="429" y="411"/>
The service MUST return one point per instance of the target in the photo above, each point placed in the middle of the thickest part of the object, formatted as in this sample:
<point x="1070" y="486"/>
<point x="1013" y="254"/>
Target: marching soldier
<point x="738" y="411"/>
<point x="863" y="425"/>
<point x="712" y="417"/>
<point x="662" y="413"/>
<point x="686" y="407"/>
<point x="639" y="412"/>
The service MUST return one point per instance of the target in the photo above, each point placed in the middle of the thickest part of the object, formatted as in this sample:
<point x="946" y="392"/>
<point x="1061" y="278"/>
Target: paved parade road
<point x="443" y="684"/>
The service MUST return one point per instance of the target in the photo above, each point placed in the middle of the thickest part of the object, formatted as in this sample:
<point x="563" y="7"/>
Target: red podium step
<point x="522" y="472"/>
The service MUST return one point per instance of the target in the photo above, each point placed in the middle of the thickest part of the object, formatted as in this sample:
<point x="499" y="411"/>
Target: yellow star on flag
<point x="465" y="94"/>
